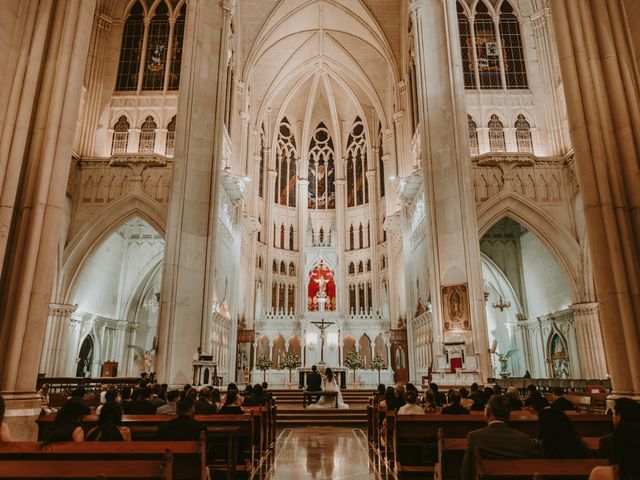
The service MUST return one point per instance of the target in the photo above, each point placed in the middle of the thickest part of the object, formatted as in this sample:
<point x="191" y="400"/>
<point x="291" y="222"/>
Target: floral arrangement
<point x="354" y="361"/>
<point x="378" y="363"/>
<point x="290" y="361"/>
<point x="264" y="364"/>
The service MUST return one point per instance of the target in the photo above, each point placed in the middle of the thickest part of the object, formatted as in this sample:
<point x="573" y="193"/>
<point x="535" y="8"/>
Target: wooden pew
<point x="486" y="469"/>
<point x="451" y="452"/>
<point x="125" y="468"/>
<point x="414" y="437"/>
<point x="189" y="458"/>
<point x="233" y="435"/>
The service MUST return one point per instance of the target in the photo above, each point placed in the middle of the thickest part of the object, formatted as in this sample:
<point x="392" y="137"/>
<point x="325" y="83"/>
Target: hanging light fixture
<point x="501" y="304"/>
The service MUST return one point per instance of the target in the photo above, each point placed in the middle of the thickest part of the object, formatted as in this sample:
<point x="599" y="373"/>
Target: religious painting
<point x="559" y="357"/>
<point x="321" y="285"/>
<point x="455" y="307"/>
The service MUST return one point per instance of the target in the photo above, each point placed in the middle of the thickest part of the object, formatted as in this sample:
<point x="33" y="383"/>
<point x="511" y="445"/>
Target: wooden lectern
<point x="109" y="369"/>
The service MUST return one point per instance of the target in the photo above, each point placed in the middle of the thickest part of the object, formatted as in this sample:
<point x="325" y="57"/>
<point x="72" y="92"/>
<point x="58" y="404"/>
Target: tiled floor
<point x="321" y="453"/>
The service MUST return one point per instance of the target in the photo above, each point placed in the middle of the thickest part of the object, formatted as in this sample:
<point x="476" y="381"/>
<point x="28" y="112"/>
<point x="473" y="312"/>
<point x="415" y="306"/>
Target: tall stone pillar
<point x="603" y="102"/>
<point x="35" y="151"/>
<point x="267" y="234"/>
<point x="55" y="342"/>
<point x="453" y="243"/>
<point x="189" y="262"/>
<point x="588" y="334"/>
<point x="341" y="237"/>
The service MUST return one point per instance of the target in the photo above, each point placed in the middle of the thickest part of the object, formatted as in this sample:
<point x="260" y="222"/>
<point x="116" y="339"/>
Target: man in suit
<point x="454" y="407"/>
<point x="183" y="428"/>
<point x="497" y="439"/>
<point x="143" y="405"/>
<point x="625" y="410"/>
<point x="314" y="381"/>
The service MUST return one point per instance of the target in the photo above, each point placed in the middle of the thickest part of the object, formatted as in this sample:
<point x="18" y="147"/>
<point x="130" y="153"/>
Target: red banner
<point x="315" y="277"/>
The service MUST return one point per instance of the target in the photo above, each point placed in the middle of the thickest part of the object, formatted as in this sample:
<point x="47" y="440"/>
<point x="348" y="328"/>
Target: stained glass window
<point x="523" y="135"/>
<point x="286" y="165"/>
<point x="171" y="138"/>
<point x="322" y="174"/>
<point x="120" y="136"/>
<point x="466" y="49"/>
<point x="357" y="191"/>
<point x="156" y="54"/>
<point x="513" y="55"/>
<point x="496" y="135"/>
<point x="130" y="51"/>
<point x="176" y="50"/>
<point x="147" y="135"/>
<point x="473" y="136"/>
<point x="487" y="49"/>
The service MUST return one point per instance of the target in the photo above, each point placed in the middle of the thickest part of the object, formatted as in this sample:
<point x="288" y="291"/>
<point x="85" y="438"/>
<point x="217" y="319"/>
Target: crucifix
<point x="322" y="325"/>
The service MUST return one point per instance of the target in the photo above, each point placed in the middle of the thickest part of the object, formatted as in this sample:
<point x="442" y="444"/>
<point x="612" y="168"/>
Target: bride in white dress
<point x="329" y="385"/>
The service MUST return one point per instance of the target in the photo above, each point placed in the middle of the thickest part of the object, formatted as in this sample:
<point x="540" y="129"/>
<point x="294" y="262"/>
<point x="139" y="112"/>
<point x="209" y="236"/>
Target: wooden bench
<point x="486" y="469"/>
<point x="229" y="437"/>
<point x="158" y="469"/>
<point x="189" y="458"/>
<point x="312" y="395"/>
<point x="413" y="438"/>
<point x="451" y="453"/>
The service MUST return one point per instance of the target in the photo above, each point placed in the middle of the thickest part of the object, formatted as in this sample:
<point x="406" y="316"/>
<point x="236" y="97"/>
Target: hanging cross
<point x="322" y="325"/>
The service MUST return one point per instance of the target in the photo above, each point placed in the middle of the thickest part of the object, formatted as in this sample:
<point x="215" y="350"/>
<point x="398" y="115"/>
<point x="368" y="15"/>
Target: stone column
<point x="342" y="290"/>
<point x="303" y="215"/>
<point x="453" y="233"/>
<point x="373" y="231"/>
<point x="35" y="150"/>
<point x="188" y="272"/>
<point x="603" y="102"/>
<point x="588" y="335"/>
<point x="55" y="338"/>
<point x="267" y="232"/>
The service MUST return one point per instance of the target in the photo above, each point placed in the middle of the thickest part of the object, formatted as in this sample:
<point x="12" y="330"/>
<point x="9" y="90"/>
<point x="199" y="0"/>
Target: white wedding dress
<point x="326" y="401"/>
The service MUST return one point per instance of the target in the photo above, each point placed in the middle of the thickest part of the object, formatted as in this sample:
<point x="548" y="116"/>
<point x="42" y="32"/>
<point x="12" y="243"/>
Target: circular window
<point x="358" y="129"/>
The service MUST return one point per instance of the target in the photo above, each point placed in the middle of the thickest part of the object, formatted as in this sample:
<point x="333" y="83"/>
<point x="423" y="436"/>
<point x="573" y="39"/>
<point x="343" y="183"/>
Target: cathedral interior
<point x="449" y="188"/>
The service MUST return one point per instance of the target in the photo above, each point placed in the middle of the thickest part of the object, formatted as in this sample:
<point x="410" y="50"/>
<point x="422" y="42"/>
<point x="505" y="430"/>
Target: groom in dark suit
<point x="314" y="381"/>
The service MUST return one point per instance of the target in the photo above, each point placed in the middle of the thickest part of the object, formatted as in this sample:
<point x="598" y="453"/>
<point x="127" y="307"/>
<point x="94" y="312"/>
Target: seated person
<point x="410" y="408"/>
<point x="216" y="398"/>
<point x="184" y="427"/>
<point x="466" y="402"/>
<point x="559" y="400"/>
<point x="5" y="433"/>
<point x="399" y="400"/>
<point x="44" y="398"/>
<point x="143" y="405"/>
<point x="231" y="404"/>
<point x="380" y="391"/>
<point x="441" y="398"/>
<point x="625" y="410"/>
<point x="111" y="395"/>
<point x="514" y="398"/>
<point x="389" y="398"/>
<point x="203" y="404"/>
<point x="257" y="397"/>
<point x="430" y="404"/>
<point x="157" y="396"/>
<point x="626" y="461"/>
<point x="558" y="437"/>
<point x="454" y="407"/>
<point x="109" y="427"/>
<point x="79" y="395"/>
<point x="535" y="401"/>
<point x="497" y="439"/>
<point x="67" y="426"/>
<point x="169" y="408"/>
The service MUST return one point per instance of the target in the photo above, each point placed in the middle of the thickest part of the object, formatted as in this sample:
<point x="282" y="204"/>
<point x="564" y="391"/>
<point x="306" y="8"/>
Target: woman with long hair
<point x="5" y="434"/>
<point x="558" y="437"/>
<point x="329" y="384"/>
<point x="109" y="428"/>
<point x="67" y="426"/>
<point x="625" y="461"/>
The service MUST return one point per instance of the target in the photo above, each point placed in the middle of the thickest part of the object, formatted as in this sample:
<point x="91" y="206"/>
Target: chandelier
<point x="152" y="300"/>
<point x="501" y="304"/>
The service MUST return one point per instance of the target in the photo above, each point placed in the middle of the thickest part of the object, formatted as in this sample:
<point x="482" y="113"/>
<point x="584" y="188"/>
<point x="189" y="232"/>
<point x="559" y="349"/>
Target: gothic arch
<point x="93" y="234"/>
<point x="556" y="239"/>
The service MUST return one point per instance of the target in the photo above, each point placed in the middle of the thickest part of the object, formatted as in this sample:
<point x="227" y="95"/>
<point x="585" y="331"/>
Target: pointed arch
<point x="92" y="235"/>
<point x="557" y="239"/>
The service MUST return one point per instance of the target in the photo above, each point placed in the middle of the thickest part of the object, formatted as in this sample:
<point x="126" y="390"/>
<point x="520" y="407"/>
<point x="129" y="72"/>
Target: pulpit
<point x="205" y="372"/>
<point x="109" y="369"/>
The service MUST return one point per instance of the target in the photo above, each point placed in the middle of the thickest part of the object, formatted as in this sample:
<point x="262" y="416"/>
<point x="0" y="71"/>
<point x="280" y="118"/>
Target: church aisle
<point x="322" y="453"/>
